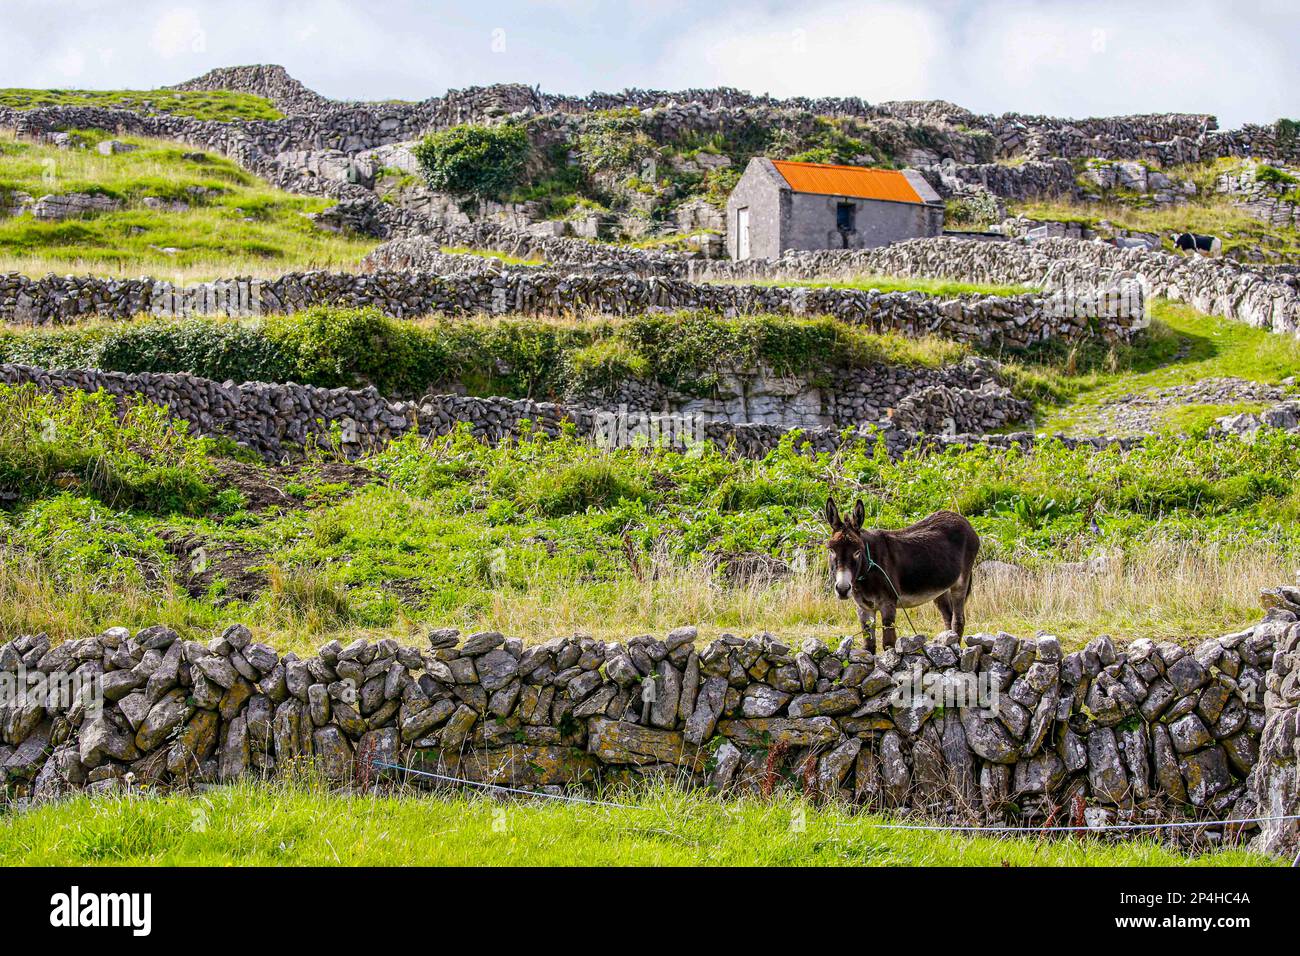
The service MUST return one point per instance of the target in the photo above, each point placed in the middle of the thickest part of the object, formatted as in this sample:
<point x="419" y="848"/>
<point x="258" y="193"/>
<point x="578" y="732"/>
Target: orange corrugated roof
<point x="856" y="181"/>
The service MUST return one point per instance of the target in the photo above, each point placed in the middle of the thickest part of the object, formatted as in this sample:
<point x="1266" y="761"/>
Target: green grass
<point x="280" y="825"/>
<point x="1182" y="347"/>
<point x="546" y="537"/>
<point x="235" y="224"/>
<point x="691" y="351"/>
<point x="219" y="105"/>
<point x="550" y="537"/>
<point x="140" y="458"/>
<point x="1193" y="418"/>
<point x="1207" y="212"/>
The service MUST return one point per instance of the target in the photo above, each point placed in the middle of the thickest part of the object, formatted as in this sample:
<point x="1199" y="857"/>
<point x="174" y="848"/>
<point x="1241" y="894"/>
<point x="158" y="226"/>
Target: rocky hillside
<point x="641" y="163"/>
<point x="655" y="167"/>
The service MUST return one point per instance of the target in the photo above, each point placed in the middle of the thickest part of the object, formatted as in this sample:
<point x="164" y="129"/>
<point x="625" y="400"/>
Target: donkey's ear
<point x="859" y="515"/>
<point x="833" y="515"/>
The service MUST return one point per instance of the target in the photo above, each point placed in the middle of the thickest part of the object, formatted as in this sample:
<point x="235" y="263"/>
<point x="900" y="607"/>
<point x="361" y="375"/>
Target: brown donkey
<point x="931" y="560"/>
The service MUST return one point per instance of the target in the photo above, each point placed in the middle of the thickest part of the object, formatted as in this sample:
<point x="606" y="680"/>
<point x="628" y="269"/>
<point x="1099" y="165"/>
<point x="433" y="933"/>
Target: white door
<point x="742" y="233"/>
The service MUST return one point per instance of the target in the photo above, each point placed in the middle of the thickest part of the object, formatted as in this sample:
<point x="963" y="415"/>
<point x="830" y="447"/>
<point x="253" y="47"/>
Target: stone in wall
<point x="1275" y="781"/>
<point x="72" y="206"/>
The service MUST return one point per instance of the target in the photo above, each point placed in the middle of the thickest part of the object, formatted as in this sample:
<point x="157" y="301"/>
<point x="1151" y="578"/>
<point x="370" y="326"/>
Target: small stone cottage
<point x="780" y="206"/>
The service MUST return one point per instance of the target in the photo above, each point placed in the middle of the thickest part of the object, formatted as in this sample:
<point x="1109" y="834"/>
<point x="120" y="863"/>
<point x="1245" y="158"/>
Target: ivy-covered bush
<point x="335" y="347"/>
<point x="480" y="162"/>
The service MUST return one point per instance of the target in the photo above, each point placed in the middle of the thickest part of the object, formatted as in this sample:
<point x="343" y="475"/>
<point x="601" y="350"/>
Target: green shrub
<point x="482" y="162"/>
<point x="337" y="348"/>
<point x="334" y="347"/>
<point x="81" y="442"/>
<point x="830" y="143"/>
<point x="1274" y="176"/>
<point x="613" y="141"/>
<point x="580" y="487"/>
<point x="977" y="211"/>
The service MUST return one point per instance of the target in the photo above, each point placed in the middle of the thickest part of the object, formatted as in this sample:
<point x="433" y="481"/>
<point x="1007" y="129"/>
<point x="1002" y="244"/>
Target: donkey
<point x="931" y="560"/>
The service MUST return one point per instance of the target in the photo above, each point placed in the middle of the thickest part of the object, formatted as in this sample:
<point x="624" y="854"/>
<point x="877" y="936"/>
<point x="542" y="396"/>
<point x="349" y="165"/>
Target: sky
<point x="1237" y="60"/>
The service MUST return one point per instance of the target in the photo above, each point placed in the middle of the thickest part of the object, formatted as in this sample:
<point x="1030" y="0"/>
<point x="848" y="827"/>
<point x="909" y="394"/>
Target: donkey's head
<point x="845" y="546"/>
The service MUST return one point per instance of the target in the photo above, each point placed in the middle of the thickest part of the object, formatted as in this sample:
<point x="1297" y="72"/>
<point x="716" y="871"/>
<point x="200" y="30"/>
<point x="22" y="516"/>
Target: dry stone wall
<point x="958" y="728"/>
<point x="1011" y="321"/>
<point x="1275" y="784"/>
<point x="292" y="153"/>
<point x="966" y="397"/>
<point x="424" y="253"/>
<point x="1264" y="298"/>
<point x="279" y="421"/>
<point x="1273" y="203"/>
<point x="1034" y="179"/>
<point x="1166" y="138"/>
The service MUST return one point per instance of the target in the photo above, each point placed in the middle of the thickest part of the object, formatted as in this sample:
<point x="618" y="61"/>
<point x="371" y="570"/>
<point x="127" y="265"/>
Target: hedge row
<point x="334" y="347"/>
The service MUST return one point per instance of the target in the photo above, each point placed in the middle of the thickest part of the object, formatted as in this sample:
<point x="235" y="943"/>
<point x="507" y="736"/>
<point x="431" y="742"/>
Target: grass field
<point x="1208" y="212"/>
<point x="218" y="105"/>
<point x="277" y="825"/>
<point x="232" y="222"/>
<point x="133" y="522"/>
<point x="1182" y="347"/>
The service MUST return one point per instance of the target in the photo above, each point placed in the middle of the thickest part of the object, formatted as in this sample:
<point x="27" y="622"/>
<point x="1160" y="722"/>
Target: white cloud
<point x="69" y="64"/>
<point x="1109" y="57"/>
<point x="1030" y="56"/>
<point x="179" y="32"/>
<point x="1034" y="56"/>
<point x="876" y="50"/>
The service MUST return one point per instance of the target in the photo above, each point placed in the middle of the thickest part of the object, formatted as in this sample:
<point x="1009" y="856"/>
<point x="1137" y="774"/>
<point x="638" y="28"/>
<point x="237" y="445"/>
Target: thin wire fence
<point x="929" y="827"/>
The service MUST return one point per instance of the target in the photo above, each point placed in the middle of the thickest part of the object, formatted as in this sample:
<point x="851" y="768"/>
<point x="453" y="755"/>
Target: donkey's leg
<point x="944" y="603"/>
<point x="867" y="618"/>
<point x="887" y="612"/>
<point x="957" y="596"/>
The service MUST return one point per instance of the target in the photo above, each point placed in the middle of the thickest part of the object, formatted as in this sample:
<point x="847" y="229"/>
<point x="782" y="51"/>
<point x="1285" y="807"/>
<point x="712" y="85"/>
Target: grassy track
<point x="1182" y="347"/>
<point x="277" y="825"/>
